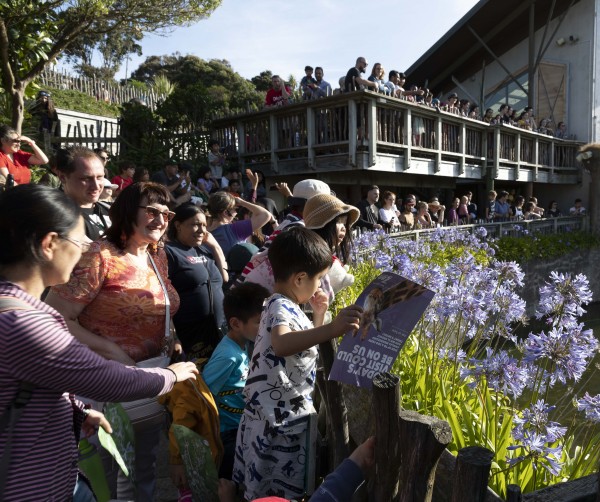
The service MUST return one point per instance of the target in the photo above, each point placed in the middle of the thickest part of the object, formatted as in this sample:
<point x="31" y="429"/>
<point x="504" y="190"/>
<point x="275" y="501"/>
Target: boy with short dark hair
<point x="273" y="433"/>
<point x="226" y="371"/>
<point x="307" y="80"/>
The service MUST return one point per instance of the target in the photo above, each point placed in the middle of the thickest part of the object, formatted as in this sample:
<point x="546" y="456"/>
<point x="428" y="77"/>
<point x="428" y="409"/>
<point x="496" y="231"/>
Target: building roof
<point x="501" y="24"/>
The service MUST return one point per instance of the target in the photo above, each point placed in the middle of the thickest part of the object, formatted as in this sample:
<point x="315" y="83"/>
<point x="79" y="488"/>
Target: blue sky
<point x="255" y="35"/>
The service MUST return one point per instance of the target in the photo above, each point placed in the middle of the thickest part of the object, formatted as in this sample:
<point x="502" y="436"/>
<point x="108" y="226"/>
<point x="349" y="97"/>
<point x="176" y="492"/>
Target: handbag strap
<point x="14" y="409"/>
<point x="167" y="300"/>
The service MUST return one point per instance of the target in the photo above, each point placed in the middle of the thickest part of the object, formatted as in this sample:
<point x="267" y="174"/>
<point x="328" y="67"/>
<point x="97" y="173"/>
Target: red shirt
<point x="121" y="182"/>
<point x="19" y="167"/>
<point x="274" y="98"/>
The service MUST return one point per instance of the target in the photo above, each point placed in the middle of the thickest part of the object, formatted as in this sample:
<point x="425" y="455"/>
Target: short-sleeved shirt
<point x="279" y="389"/>
<point x="232" y="233"/>
<point x="274" y="98"/>
<point x="225" y="374"/>
<point x="18" y="167"/>
<point x="162" y="178"/>
<point x="121" y="182"/>
<point x="96" y="220"/>
<point x="190" y="269"/>
<point x="123" y="302"/>
<point x="349" y="83"/>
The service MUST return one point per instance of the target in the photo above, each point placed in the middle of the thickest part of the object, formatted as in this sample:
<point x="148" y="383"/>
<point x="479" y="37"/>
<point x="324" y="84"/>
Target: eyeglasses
<point x="231" y="212"/>
<point x="154" y="212"/>
<point x="15" y="141"/>
<point x="84" y="246"/>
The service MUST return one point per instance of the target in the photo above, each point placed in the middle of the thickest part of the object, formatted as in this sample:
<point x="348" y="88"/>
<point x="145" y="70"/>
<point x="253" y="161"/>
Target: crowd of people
<point x="110" y="282"/>
<point x="395" y="86"/>
<point x="107" y="281"/>
<point x="397" y="215"/>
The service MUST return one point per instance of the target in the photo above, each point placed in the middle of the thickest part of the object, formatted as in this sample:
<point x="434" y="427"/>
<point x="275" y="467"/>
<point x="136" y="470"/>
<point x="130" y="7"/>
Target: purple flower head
<point x="536" y="433"/>
<point x="568" y="348"/>
<point x="563" y="296"/>
<point x="502" y="372"/>
<point x="591" y="406"/>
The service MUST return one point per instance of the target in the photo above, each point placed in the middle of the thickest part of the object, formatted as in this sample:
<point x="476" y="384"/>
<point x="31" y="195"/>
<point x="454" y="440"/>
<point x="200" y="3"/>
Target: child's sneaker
<point x="185" y="495"/>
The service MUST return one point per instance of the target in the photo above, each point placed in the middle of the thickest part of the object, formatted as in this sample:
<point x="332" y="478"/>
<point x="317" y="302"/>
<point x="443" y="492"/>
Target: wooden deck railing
<point x="368" y="130"/>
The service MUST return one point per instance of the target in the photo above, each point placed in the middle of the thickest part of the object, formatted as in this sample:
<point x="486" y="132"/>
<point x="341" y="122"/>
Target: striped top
<point x="36" y="346"/>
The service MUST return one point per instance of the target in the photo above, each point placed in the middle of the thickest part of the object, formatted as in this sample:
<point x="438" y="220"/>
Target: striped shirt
<point x="36" y="346"/>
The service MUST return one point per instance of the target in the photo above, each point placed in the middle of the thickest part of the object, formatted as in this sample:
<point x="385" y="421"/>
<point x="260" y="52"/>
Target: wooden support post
<point x="372" y="131"/>
<point x="438" y="143"/>
<point x="513" y="493"/>
<point x="241" y="144"/>
<point x="386" y="406"/>
<point x="408" y="143"/>
<point x="273" y="141"/>
<point x="518" y="155"/>
<point x="335" y="404"/>
<point x="310" y="137"/>
<point x="463" y="148"/>
<point x="408" y="446"/>
<point x="536" y="158"/>
<point x="352" y="132"/>
<point x="472" y="473"/>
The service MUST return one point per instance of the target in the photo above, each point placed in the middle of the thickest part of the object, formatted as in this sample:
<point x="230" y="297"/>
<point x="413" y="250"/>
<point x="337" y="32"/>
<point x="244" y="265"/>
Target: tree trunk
<point x="18" y="107"/>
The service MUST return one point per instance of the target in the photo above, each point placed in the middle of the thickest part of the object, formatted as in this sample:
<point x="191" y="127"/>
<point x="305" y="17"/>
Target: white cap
<point x="108" y="184"/>
<point x="305" y="189"/>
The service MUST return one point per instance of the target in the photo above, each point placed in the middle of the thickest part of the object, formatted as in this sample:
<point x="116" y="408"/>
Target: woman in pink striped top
<point x="41" y="239"/>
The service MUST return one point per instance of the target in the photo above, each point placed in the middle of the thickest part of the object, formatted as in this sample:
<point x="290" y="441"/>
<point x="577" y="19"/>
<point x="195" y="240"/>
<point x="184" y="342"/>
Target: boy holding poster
<point x="271" y="443"/>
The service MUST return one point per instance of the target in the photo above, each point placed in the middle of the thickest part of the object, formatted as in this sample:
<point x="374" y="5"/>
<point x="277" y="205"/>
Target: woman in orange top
<point x="15" y="161"/>
<point x="115" y="303"/>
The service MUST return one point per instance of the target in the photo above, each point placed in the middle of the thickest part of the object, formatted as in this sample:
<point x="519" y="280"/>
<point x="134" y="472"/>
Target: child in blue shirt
<point x="227" y="369"/>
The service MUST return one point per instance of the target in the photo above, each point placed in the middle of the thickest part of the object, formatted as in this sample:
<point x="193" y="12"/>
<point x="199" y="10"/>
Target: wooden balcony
<point x="369" y="131"/>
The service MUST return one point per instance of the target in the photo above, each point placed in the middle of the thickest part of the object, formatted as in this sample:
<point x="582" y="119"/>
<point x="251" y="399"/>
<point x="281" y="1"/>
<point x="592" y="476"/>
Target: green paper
<point x="121" y="443"/>
<point x="200" y="469"/>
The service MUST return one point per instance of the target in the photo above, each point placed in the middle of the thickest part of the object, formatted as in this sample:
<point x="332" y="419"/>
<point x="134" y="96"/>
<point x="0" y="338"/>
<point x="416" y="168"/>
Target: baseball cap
<point x="305" y="189"/>
<point x="107" y="184"/>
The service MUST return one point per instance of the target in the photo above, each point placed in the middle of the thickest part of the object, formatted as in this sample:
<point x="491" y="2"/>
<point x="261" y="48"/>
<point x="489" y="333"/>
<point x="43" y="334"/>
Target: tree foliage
<point x="35" y="32"/>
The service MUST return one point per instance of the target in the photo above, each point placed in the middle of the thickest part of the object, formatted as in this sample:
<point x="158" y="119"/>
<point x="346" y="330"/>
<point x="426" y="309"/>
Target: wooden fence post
<point x="513" y="493"/>
<point x="472" y="473"/>
<point x="408" y="446"/>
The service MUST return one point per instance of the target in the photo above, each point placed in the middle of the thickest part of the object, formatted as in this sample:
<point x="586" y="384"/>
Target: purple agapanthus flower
<point x="536" y="433"/>
<point x="563" y="296"/>
<point x="591" y="406"/>
<point x="568" y="348"/>
<point x="502" y="372"/>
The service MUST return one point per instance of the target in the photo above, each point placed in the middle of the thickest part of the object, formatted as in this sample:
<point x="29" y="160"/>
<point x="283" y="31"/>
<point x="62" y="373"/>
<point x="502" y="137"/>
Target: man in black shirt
<point x="81" y="173"/>
<point x="173" y="182"/>
<point x="354" y="80"/>
<point x="369" y="212"/>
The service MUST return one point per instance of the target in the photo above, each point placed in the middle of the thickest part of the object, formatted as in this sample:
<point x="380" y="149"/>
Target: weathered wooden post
<point x="513" y="493"/>
<point x="589" y="156"/>
<point x="471" y="475"/>
<point x="408" y="446"/>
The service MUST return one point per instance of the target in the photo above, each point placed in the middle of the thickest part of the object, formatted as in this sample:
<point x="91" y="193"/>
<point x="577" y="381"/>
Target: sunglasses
<point x="104" y="159"/>
<point x="153" y="212"/>
<point x="15" y="141"/>
<point x="231" y="212"/>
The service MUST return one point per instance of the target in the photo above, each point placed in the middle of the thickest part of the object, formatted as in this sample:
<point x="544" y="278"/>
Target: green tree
<point x="262" y="82"/>
<point x="36" y="32"/>
<point x="112" y="44"/>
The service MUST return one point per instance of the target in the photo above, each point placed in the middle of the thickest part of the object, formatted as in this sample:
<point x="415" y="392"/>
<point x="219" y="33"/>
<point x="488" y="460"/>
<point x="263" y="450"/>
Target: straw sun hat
<point x="323" y="208"/>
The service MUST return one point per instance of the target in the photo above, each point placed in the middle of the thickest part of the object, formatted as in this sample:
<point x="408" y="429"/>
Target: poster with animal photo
<point x="392" y="306"/>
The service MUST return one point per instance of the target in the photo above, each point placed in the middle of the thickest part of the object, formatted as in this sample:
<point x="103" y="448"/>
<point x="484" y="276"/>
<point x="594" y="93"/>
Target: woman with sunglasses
<point x="116" y="303"/>
<point x="222" y="209"/>
<point x="41" y="239"/>
<point x="15" y="161"/>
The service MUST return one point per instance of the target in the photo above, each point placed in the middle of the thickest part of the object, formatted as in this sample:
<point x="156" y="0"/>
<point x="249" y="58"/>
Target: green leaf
<point x="121" y="443"/>
<point x="200" y="469"/>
